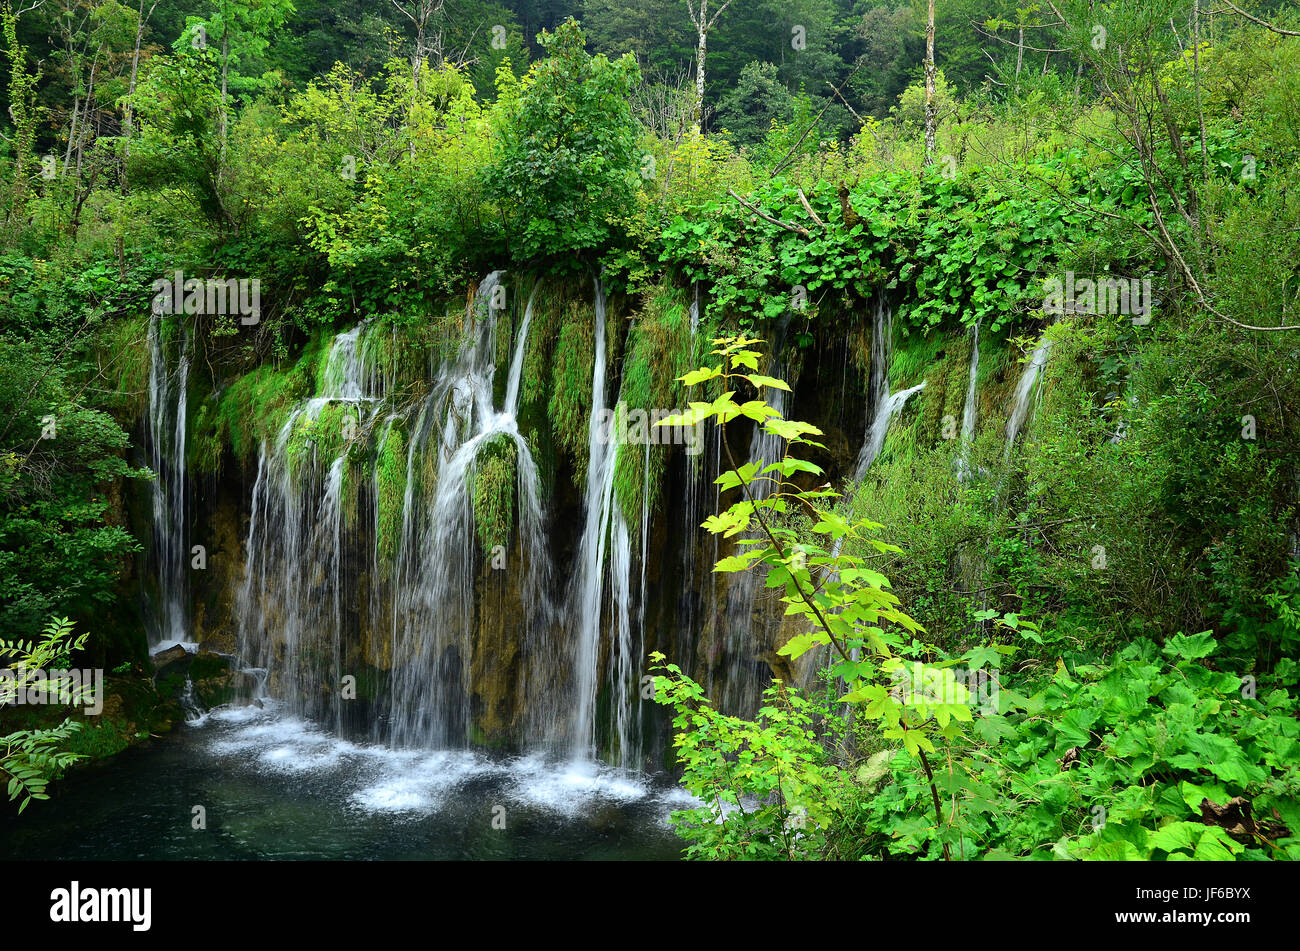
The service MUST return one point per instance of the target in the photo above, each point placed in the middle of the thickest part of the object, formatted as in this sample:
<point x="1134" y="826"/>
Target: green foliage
<point x="757" y="103"/>
<point x="567" y="163"/>
<point x="954" y="249"/>
<point x="30" y="759"/>
<point x="658" y="351"/>
<point x="842" y="603"/>
<point x="1125" y="758"/>
<point x="61" y="548"/>
<point x="1157" y="751"/>
<point x="254" y="407"/>
<point x="763" y="783"/>
<point x="570" y="401"/>
<point x="24" y="111"/>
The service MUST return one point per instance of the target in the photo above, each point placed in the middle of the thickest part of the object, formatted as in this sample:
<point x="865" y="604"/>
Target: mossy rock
<point x="495" y="479"/>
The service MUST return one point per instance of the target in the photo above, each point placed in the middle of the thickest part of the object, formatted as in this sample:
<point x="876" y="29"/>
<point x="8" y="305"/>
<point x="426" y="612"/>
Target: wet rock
<point x="174" y="662"/>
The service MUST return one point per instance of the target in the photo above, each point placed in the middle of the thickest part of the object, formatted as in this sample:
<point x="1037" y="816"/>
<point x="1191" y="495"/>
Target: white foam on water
<point x="421" y="785"/>
<point x="570" y="787"/>
<point x="377" y="779"/>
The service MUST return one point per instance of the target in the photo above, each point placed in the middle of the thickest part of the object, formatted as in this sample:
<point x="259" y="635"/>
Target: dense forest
<point x="872" y="421"/>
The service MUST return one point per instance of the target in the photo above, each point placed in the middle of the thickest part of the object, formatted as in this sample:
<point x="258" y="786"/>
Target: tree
<point x="568" y="162"/>
<point x="23" y="109"/>
<point x="419" y="13"/>
<point x="59" y="551"/>
<point x="244" y="27"/>
<point x="651" y="30"/>
<point x="759" y="100"/>
<point x="885" y="44"/>
<point x="699" y="12"/>
<point x="128" y="119"/>
<point x="931" y="110"/>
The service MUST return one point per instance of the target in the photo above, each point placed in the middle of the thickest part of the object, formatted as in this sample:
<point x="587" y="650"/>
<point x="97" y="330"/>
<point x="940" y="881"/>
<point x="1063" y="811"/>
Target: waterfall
<point x="875" y="442"/>
<point x="291" y="602"/>
<point x="603" y="526"/>
<point x="302" y="592"/>
<point x="434" y="612"/>
<point x="882" y="351"/>
<point x="968" y="412"/>
<point x="1024" y="391"/>
<point x="970" y="409"/>
<point x="885" y="405"/>
<point x="167" y="417"/>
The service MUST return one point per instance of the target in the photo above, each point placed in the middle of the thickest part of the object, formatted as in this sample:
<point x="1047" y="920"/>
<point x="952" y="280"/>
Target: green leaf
<point x="759" y="381"/>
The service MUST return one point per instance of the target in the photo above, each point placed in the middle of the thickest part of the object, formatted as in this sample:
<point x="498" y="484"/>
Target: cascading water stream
<point x="891" y="407"/>
<point x="167" y="420"/>
<point x="1025" y="390"/>
<point x="302" y="591"/>
<point x="291" y="602"/>
<point x="969" y="410"/>
<point x="885" y="405"/>
<point x="604" y="529"/>
<point x="434" y="590"/>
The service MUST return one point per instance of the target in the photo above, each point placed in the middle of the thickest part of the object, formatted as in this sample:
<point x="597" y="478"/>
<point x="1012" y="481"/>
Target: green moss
<point x="570" y="400"/>
<point x="915" y="355"/>
<point x="254" y="407"/>
<point x="124" y="346"/>
<point x="349" y="495"/>
<point x="659" y="349"/>
<point x="99" y="737"/>
<point x="390" y="486"/>
<point x="494" y="492"/>
<point x="402" y="352"/>
<point x="206" y="436"/>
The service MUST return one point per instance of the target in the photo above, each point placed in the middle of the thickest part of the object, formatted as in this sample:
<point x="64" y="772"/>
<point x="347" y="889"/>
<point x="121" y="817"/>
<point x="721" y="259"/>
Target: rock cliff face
<point x="401" y="576"/>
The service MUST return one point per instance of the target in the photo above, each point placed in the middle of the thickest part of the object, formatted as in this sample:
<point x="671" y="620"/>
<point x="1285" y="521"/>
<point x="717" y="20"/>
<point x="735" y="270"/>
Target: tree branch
<point x="797" y="229"/>
<point x="1264" y="23"/>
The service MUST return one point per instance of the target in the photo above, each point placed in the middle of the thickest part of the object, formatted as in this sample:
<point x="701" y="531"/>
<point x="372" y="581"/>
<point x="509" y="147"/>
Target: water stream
<point x="168" y="385"/>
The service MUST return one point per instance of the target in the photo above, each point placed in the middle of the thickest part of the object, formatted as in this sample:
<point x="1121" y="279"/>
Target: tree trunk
<point x="699" y="65"/>
<point x="931" y="108"/>
<point x="1196" y="81"/>
<point x="72" y="133"/>
<point x="128" y="109"/>
<point x="225" y="74"/>
<point x="1020" y="52"/>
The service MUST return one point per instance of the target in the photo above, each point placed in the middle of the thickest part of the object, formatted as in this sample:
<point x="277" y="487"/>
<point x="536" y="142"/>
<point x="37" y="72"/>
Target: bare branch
<point x="808" y="208"/>
<point x="1264" y="23"/>
<point x="797" y="229"/>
